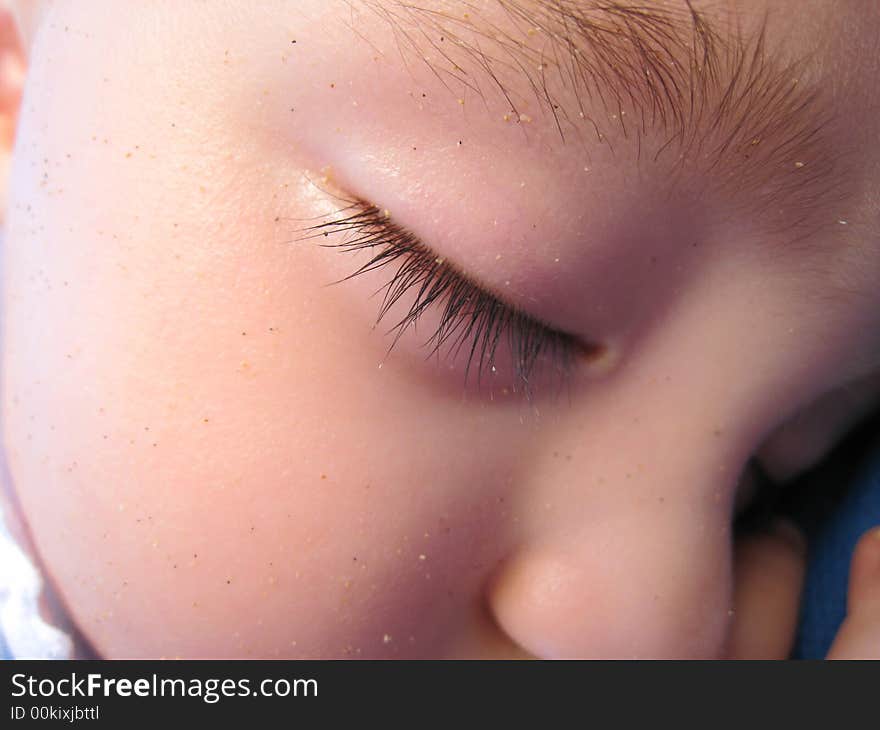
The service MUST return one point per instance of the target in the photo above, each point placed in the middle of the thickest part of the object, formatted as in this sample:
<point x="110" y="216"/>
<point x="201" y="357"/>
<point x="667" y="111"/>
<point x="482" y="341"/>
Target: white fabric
<point x="23" y="629"/>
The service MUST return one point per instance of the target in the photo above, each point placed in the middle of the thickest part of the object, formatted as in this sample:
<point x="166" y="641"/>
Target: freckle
<point x="204" y="420"/>
<point x="323" y="476"/>
<point x="228" y="581"/>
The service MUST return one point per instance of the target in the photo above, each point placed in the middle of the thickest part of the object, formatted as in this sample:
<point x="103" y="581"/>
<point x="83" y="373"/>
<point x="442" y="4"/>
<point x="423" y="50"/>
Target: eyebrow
<point x="699" y="92"/>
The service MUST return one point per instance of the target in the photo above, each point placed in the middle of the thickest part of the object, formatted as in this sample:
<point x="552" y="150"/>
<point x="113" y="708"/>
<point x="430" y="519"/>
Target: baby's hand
<point x="859" y="636"/>
<point x="769" y="573"/>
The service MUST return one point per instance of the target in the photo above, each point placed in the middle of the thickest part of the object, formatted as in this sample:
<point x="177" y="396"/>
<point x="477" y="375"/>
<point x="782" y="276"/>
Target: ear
<point x="12" y="73"/>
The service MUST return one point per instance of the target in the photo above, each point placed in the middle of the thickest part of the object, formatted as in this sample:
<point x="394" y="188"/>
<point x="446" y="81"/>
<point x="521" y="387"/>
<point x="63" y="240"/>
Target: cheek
<point x="210" y="463"/>
<point x="210" y="459"/>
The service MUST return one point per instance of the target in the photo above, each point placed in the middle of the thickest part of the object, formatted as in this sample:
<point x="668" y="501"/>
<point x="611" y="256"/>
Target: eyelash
<point x="470" y="313"/>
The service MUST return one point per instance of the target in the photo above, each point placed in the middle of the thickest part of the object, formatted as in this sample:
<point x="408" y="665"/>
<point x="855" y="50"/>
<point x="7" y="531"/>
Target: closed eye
<point x="472" y="320"/>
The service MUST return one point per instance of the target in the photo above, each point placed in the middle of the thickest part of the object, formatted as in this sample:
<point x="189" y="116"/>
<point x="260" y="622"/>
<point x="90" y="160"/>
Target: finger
<point x="859" y="636"/>
<point x="769" y="575"/>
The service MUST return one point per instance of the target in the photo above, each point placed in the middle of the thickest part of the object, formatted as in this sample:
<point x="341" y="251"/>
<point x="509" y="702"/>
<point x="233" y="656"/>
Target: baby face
<point x="659" y="239"/>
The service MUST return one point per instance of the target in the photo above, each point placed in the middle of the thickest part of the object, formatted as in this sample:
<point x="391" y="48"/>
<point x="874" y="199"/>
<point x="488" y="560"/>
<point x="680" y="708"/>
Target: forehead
<point x="735" y="99"/>
<point x="732" y="95"/>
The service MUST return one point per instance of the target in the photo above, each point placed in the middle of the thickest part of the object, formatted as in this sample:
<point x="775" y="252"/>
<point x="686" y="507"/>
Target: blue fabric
<point x="831" y="546"/>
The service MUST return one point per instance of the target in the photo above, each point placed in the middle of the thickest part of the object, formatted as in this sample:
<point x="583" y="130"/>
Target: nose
<point x="623" y="548"/>
<point x="659" y="588"/>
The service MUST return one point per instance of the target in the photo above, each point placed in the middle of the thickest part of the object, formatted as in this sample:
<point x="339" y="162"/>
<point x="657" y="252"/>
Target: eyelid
<point x="470" y="313"/>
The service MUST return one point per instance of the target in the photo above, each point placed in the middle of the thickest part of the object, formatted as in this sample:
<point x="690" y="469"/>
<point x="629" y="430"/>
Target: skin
<point x="211" y="460"/>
